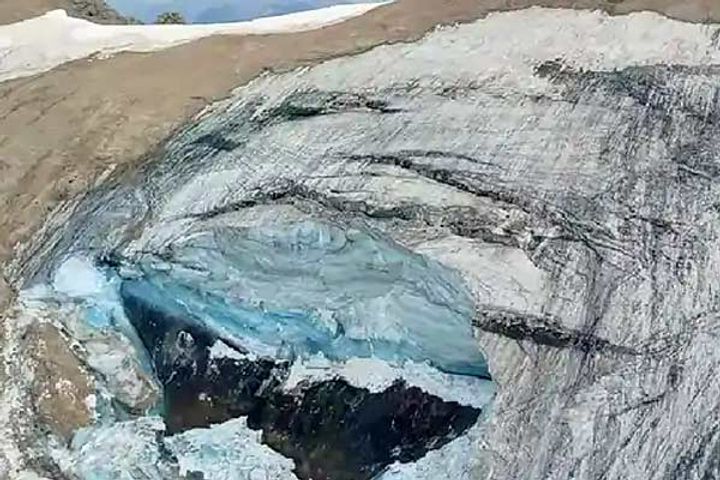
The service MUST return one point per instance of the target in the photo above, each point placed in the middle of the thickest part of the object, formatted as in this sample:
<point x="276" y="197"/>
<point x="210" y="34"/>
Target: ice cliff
<point x="532" y="196"/>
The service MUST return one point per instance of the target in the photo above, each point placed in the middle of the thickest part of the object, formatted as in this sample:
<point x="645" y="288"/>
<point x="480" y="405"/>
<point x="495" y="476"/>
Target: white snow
<point x="221" y="349"/>
<point x="376" y="375"/>
<point x="41" y="43"/>
<point x="91" y="402"/>
<point x="77" y="277"/>
<point x="229" y="451"/>
<point x="501" y="52"/>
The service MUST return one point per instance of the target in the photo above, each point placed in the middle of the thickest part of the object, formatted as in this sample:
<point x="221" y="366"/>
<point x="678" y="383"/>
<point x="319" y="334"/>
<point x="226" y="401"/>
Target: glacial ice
<point x="458" y="460"/>
<point x="122" y="451"/>
<point x="307" y="288"/>
<point x="338" y="301"/>
<point x="77" y="277"/>
<point x="609" y="166"/>
<point x="137" y="449"/>
<point x="229" y="451"/>
<point x="79" y="280"/>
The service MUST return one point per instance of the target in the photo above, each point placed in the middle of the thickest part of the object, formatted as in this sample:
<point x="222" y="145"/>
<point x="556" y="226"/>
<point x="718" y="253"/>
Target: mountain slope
<point x="89" y="124"/>
<point x="569" y="177"/>
<point x="94" y="10"/>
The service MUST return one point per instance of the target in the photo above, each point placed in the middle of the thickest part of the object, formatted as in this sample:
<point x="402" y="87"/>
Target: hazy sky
<point x="218" y="10"/>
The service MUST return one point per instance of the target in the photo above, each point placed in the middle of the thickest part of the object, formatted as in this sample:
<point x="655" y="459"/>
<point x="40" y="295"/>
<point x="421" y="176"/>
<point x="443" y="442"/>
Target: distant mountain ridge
<point x="216" y="11"/>
<point x="94" y="10"/>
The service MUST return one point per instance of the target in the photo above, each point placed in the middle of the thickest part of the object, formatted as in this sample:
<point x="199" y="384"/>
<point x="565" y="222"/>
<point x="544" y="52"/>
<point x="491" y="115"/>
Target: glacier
<point x="337" y="302"/>
<point x="229" y="451"/>
<point x="313" y="288"/>
<point x="552" y="196"/>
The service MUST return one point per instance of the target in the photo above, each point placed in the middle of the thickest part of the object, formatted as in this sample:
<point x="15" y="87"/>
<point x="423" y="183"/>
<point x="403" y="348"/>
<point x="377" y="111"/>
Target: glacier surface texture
<point x="491" y="254"/>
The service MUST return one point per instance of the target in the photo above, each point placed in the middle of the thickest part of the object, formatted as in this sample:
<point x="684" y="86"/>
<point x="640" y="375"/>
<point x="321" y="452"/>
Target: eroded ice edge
<point x="337" y="303"/>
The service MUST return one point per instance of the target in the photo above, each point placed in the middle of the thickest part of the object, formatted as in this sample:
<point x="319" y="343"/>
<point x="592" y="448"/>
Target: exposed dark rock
<point x="335" y="431"/>
<point x="97" y="11"/>
<point x="543" y="331"/>
<point x="217" y="141"/>
<point x="311" y="103"/>
<point x="198" y="390"/>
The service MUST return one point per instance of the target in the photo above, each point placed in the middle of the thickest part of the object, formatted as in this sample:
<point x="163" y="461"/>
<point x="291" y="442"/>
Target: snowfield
<point x="42" y="43"/>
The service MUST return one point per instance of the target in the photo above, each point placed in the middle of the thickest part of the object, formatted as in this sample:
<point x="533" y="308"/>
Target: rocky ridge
<point x="97" y="11"/>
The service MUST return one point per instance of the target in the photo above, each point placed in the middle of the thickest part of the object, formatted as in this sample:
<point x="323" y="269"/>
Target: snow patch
<point x="41" y="43"/>
<point x="221" y="349"/>
<point x="229" y="451"/>
<point x="376" y="375"/>
<point x="91" y="402"/>
<point x="77" y="277"/>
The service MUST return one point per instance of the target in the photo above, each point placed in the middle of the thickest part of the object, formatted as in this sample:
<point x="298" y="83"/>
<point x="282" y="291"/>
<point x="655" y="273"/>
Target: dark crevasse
<point x="308" y="345"/>
<point x="336" y="431"/>
<point x="331" y="429"/>
<point x="197" y="390"/>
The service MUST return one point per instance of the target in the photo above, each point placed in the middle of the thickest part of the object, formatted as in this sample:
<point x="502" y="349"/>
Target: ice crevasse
<point x="321" y="303"/>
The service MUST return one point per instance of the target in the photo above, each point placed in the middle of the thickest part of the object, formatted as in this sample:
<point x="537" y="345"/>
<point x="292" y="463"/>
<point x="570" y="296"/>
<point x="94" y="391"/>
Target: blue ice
<point x="311" y="287"/>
